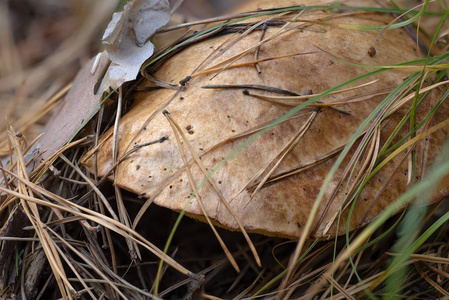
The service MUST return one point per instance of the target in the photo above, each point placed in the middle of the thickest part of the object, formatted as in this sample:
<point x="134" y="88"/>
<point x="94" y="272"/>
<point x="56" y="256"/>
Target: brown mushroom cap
<point x="218" y="122"/>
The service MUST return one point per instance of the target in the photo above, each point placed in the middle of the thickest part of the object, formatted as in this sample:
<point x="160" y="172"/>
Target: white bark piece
<point x="126" y="39"/>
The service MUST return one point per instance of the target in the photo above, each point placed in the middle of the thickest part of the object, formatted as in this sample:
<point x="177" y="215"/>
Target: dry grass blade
<point x="32" y="213"/>
<point x="72" y="267"/>
<point x="92" y="185"/>
<point x="217" y="190"/>
<point x="415" y="140"/>
<point x="90" y="263"/>
<point x="271" y="167"/>
<point x="426" y="277"/>
<point x="232" y="41"/>
<point x="249" y="288"/>
<point x="441" y="273"/>
<point x="356" y="288"/>
<point x="338" y="287"/>
<point x="367" y="166"/>
<point x="65" y="205"/>
<point x="426" y="258"/>
<point x="123" y="214"/>
<point x="254" y="62"/>
<point x="196" y="192"/>
<point x="228" y="62"/>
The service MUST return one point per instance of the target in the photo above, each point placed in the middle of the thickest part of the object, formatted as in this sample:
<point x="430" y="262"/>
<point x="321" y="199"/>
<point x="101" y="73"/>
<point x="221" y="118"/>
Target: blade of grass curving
<point x="274" y="255"/>
<point x="438" y="30"/>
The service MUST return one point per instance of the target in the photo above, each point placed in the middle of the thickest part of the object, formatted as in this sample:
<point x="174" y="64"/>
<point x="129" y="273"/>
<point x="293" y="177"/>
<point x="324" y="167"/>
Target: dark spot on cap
<point x="372" y="51"/>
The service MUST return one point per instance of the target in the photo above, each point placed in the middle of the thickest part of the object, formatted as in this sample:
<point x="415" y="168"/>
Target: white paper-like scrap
<point x="126" y="39"/>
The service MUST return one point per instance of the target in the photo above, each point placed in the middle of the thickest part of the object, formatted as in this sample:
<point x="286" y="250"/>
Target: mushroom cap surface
<point x="221" y="114"/>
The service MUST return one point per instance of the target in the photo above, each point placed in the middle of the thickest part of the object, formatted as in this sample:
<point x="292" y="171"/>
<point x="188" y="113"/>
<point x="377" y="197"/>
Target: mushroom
<point x="229" y="106"/>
